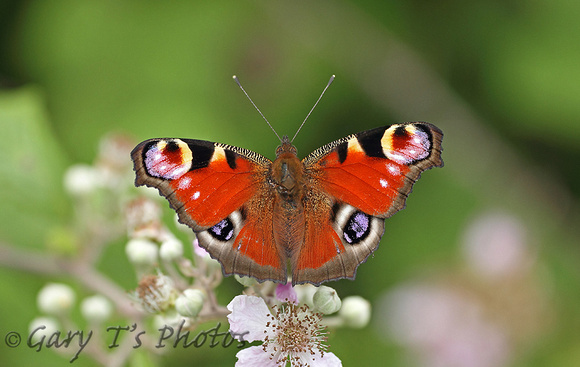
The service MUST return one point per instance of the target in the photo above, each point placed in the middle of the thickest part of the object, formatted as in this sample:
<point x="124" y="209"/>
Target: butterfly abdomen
<point x="287" y="176"/>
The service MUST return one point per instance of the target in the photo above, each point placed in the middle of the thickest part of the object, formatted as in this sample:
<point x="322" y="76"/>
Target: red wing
<point x="203" y="181"/>
<point x="335" y="246"/>
<point x="213" y="188"/>
<point x="353" y="184"/>
<point x="374" y="170"/>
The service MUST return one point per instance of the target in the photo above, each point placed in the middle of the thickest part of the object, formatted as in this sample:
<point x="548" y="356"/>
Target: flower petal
<point x="254" y="356"/>
<point x="199" y="251"/>
<point x="248" y="318"/>
<point x="286" y="293"/>
<point x="329" y="360"/>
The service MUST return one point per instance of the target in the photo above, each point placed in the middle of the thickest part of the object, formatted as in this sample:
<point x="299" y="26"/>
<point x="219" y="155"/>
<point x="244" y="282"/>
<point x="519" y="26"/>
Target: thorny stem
<point x="29" y="261"/>
<point x="180" y="282"/>
<point x="81" y="269"/>
<point x="97" y="282"/>
<point x="42" y="263"/>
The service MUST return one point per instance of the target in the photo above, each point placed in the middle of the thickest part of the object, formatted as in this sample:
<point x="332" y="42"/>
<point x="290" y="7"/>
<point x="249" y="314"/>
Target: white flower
<point x="294" y="334"/>
<point x="55" y="298"/>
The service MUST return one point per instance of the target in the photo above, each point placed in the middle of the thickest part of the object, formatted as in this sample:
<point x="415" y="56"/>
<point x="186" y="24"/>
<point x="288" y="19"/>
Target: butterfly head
<point x="285" y="147"/>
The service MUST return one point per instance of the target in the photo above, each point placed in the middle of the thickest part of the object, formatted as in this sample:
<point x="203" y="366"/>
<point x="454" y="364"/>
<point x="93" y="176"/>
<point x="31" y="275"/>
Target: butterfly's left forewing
<point x="221" y="192"/>
<point x="356" y="182"/>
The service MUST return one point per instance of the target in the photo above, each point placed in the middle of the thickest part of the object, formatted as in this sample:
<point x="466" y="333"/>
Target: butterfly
<point x="321" y="216"/>
<point x="317" y="218"/>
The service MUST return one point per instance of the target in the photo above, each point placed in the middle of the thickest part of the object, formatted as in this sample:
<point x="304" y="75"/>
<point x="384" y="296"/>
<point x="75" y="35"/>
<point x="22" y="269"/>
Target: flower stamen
<point x="297" y="331"/>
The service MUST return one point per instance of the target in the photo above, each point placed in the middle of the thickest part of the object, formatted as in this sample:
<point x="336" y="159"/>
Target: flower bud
<point x="326" y="300"/>
<point x="170" y="318"/>
<point x="190" y="302"/>
<point x="42" y="327"/>
<point x="180" y="226"/>
<point x="96" y="308"/>
<point x="305" y="292"/>
<point x="141" y="252"/>
<point x="286" y="293"/>
<point x="246" y="281"/>
<point x="55" y="299"/>
<point x="355" y="312"/>
<point x="171" y="249"/>
<point x="81" y="179"/>
<point x="198" y="250"/>
<point x="143" y="218"/>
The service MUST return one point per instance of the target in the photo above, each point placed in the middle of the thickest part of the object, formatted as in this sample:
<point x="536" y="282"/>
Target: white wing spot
<point x="195" y="195"/>
<point x="393" y="169"/>
<point x="384" y="183"/>
<point x="399" y="158"/>
<point x="184" y="182"/>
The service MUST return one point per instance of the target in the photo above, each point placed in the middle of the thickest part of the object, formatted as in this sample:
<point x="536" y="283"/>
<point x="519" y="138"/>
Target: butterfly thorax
<point x="286" y="172"/>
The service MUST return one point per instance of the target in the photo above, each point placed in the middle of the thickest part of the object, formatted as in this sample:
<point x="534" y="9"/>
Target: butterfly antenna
<point x="313" y="107"/>
<point x="256" y="107"/>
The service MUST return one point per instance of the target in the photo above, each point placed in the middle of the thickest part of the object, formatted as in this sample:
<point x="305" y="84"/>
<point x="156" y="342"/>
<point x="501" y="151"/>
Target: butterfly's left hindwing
<point x="364" y="178"/>
<point x="219" y="191"/>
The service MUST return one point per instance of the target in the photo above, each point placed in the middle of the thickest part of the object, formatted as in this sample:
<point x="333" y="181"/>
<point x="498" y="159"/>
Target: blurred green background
<point x="500" y="78"/>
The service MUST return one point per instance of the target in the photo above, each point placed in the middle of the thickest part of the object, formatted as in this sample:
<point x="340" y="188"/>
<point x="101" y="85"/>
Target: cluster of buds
<point x="170" y="286"/>
<point x="176" y="284"/>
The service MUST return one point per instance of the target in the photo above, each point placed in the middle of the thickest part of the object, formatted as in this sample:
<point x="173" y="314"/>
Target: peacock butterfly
<point x="321" y="216"/>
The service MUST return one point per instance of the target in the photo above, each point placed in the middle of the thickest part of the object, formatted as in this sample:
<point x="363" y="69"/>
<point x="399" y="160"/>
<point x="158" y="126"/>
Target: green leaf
<point x="31" y="194"/>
